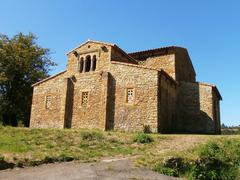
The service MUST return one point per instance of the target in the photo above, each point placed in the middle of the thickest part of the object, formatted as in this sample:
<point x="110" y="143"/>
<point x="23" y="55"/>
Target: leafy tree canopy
<point x="22" y="63"/>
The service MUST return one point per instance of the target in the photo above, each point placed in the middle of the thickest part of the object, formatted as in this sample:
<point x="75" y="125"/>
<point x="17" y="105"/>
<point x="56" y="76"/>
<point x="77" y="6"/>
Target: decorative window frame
<point x="48" y="101"/>
<point x="126" y="95"/>
<point x="81" y="99"/>
<point x="91" y="58"/>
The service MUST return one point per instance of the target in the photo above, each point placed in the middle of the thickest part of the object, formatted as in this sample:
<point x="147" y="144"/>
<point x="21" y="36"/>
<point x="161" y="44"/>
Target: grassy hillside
<point x="193" y="156"/>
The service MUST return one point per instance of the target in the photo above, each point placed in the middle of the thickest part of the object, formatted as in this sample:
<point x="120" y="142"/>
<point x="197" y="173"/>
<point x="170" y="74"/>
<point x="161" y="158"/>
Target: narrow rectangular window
<point x="48" y="102"/>
<point x="130" y="95"/>
<point x="85" y="98"/>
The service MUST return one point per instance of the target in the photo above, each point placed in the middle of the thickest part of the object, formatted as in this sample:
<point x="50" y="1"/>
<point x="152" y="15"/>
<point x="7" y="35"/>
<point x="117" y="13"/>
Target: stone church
<point x="106" y="88"/>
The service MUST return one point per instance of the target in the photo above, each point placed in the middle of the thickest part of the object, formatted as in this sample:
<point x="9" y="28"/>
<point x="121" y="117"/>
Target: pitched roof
<point x="50" y="77"/>
<point x="157" y="49"/>
<point x="105" y="43"/>
<point x="99" y="42"/>
<point x="143" y="55"/>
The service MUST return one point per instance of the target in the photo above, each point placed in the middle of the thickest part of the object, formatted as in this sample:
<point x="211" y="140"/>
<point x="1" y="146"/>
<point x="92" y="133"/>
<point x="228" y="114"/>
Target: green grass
<point x="143" y="138"/>
<point x="216" y="159"/>
<point x="176" y="155"/>
<point x="35" y="146"/>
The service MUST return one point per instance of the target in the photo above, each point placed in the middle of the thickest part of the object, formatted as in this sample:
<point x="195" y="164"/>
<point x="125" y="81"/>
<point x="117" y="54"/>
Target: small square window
<point x="130" y="95"/>
<point x="85" y="98"/>
<point x="48" y="102"/>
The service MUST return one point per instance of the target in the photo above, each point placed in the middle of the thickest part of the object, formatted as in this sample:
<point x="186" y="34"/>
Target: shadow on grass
<point x="5" y="165"/>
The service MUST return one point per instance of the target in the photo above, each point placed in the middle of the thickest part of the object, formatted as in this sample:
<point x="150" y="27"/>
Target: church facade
<point x="106" y="88"/>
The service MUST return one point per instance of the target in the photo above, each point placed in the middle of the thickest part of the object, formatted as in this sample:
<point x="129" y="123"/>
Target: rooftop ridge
<point x="89" y="40"/>
<point x="156" y="49"/>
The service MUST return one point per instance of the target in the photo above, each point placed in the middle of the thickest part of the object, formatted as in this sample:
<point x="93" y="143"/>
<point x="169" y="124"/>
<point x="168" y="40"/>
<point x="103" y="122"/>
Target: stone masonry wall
<point x="167" y="105"/>
<point x="216" y="113"/>
<point x="118" y="55"/>
<point x="144" y="110"/>
<point x="195" y="108"/>
<point x="92" y="115"/>
<point x="176" y="62"/>
<point x="184" y="68"/>
<point x="166" y="62"/>
<point x="102" y="52"/>
<point x="53" y="117"/>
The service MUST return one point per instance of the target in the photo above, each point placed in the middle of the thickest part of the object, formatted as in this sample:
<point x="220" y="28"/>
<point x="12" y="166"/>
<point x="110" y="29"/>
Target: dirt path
<point x="106" y="169"/>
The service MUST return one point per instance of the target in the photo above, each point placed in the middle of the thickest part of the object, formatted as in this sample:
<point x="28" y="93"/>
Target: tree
<point x="22" y="63"/>
<point x="223" y="126"/>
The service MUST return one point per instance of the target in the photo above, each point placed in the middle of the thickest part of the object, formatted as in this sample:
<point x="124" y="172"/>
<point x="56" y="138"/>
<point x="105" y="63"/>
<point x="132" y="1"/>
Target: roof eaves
<point x="156" y="49"/>
<point x="106" y="43"/>
<point x="125" y="53"/>
<point x="214" y="88"/>
<point x="46" y="79"/>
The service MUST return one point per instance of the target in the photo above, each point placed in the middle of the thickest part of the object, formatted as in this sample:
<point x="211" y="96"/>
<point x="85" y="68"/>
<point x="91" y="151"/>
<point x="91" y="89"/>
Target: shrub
<point x="91" y="136"/>
<point x="143" y="138"/>
<point x="19" y="164"/>
<point x="174" y="166"/>
<point x="48" y="159"/>
<point x="217" y="162"/>
<point x="166" y="170"/>
<point x="34" y="163"/>
<point x="211" y="150"/>
<point x="178" y="164"/>
<point x="146" y="129"/>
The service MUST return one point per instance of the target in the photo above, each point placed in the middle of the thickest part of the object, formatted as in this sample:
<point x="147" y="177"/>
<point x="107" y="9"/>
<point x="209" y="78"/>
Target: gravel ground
<point x="106" y="169"/>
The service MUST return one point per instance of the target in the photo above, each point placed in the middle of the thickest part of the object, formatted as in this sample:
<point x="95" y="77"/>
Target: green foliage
<point x="22" y="63"/>
<point x="143" y="138"/>
<point x="174" y="166"/>
<point x="19" y="164"/>
<point x="90" y="136"/>
<point x="216" y="160"/>
<point x="166" y="170"/>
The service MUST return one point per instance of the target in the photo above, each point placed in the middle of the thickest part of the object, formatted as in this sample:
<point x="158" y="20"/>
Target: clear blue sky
<point x="210" y="30"/>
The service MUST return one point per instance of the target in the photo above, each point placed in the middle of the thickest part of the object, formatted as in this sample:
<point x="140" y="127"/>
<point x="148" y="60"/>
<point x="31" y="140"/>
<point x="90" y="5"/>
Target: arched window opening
<point x="81" y="65"/>
<point x="94" y="63"/>
<point x="88" y="64"/>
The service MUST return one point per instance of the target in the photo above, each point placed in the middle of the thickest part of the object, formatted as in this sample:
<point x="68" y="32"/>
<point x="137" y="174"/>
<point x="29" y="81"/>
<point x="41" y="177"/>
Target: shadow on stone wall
<point x="111" y="103"/>
<point x="191" y="119"/>
<point x="69" y="103"/>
